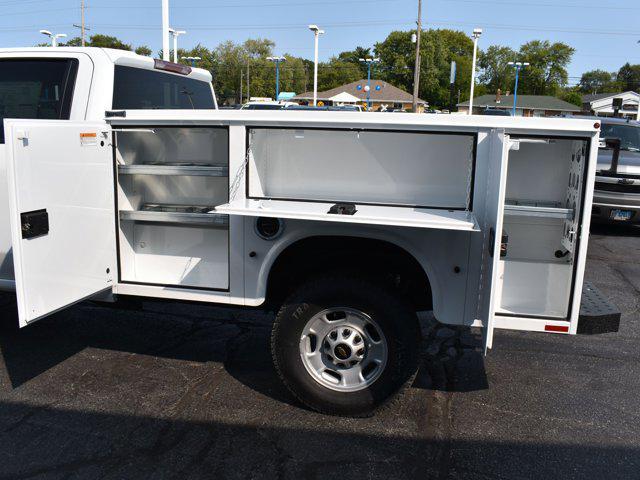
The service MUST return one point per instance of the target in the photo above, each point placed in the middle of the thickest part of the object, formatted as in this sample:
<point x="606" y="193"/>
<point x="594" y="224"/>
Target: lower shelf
<point x="537" y="210"/>
<point x="187" y="214"/>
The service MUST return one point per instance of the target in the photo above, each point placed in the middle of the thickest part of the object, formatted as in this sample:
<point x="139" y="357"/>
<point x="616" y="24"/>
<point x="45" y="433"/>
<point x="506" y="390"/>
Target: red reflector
<point x="171" y="67"/>
<point x="555" y="328"/>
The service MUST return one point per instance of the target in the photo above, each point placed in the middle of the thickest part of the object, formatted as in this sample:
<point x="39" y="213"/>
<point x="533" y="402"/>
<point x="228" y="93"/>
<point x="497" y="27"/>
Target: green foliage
<point x="144" y="51"/>
<point x="629" y="77"/>
<point x="438" y="49"/>
<point x="547" y="72"/>
<point x="598" y="81"/>
<point x="572" y="96"/>
<point x="337" y="72"/>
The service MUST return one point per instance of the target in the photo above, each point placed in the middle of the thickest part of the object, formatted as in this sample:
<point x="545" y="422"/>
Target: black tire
<point x="393" y="314"/>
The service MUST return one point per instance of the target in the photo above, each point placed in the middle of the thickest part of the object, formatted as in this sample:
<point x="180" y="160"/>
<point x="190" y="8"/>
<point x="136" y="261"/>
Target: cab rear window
<point x="137" y="88"/>
<point x="36" y="88"/>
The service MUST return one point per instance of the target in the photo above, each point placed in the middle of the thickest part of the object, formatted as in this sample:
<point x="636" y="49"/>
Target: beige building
<point x="383" y="96"/>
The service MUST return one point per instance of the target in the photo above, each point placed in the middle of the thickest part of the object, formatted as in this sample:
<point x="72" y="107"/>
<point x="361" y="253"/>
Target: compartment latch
<point x="34" y="224"/>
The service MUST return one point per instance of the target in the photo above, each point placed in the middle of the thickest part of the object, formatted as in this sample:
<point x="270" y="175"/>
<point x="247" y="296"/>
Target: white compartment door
<point x="492" y="216"/>
<point x="61" y="201"/>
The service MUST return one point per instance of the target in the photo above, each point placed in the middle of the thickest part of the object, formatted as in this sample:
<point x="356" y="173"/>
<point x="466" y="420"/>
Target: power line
<point x="555" y="5"/>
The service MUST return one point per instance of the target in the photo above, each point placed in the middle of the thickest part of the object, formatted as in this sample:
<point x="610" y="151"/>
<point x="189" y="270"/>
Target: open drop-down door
<point x="61" y="202"/>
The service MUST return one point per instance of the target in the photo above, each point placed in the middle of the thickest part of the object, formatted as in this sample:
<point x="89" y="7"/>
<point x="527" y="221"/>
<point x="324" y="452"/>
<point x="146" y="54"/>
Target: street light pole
<point x="277" y="61"/>
<point x="53" y="36"/>
<point x="416" y="71"/>
<point x="316" y="33"/>
<point x="517" y="66"/>
<point x="193" y="60"/>
<point x="165" y="30"/>
<point x="175" y="34"/>
<point x="476" y="35"/>
<point x="369" y="62"/>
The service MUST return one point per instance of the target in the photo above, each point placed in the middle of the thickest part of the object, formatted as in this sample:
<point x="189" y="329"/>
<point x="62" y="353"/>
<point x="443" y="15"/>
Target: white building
<point x="601" y="104"/>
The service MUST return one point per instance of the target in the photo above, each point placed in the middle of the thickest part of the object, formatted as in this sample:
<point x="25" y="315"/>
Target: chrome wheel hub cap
<point x="343" y="349"/>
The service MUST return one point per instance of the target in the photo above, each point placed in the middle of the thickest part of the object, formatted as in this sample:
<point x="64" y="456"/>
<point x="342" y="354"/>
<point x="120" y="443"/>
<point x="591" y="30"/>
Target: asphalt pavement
<point x="182" y="391"/>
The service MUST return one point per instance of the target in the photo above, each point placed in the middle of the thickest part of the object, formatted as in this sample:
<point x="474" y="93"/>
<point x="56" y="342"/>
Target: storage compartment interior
<point x="169" y="182"/>
<point x="540" y="223"/>
<point x="425" y="169"/>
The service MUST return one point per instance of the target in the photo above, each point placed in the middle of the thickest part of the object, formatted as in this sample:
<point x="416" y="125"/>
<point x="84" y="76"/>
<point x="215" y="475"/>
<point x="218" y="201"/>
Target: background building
<point x="383" y="95"/>
<point x="527" y="105"/>
<point x="601" y="104"/>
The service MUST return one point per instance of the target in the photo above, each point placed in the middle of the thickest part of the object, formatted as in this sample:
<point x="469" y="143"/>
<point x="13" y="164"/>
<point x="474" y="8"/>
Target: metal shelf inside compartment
<point x="535" y="208"/>
<point x="175" y="168"/>
<point x="165" y="213"/>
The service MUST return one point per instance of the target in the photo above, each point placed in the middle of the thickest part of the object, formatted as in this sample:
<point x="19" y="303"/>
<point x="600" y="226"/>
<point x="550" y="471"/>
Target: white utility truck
<point x="345" y="223"/>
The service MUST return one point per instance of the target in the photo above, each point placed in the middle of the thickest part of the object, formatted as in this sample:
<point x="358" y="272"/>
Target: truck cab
<point x="80" y="84"/>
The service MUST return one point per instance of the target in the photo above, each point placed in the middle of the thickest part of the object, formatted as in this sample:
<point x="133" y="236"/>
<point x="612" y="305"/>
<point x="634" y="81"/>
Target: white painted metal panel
<point x="491" y="225"/>
<point x="386" y="167"/>
<point x="52" y="166"/>
<point x="365" y="214"/>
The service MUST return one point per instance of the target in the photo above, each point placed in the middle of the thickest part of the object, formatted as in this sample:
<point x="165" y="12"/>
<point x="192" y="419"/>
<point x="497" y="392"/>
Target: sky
<point x="605" y="33"/>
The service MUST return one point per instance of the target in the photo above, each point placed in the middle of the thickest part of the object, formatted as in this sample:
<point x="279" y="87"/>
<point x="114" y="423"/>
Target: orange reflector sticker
<point x="556" y="328"/>
<point x="88" y="139"/>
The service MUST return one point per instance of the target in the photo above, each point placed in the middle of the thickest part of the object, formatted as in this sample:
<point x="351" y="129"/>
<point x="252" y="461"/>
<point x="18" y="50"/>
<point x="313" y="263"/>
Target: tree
<point x="144" y="50"/>
<point x="629" y="77"/>
<point x="572" y="96"/>
<point x="437" y="50"/>
<point x="107" y="41"/>
<point x="547" y="70"/>
<point x="597" y="81"/>
<point x="337" y="72"/>
<point x="354" y="56"/>
<point x="495" y="73"/>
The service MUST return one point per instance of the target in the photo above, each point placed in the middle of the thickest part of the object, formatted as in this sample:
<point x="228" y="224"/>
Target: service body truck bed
<point x="346" y="223"/>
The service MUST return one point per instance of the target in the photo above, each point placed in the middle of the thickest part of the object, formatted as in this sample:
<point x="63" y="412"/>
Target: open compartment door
<point x="61" y="201"/>
<point x="492" y="218"/>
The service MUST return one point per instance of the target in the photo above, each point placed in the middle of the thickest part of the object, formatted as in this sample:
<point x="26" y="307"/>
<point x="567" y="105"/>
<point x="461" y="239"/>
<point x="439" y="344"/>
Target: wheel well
<point x="377" y="259"/>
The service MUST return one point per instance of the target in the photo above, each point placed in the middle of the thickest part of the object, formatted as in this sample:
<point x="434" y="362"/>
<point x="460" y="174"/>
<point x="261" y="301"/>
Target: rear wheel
<point x="345" y="346"/>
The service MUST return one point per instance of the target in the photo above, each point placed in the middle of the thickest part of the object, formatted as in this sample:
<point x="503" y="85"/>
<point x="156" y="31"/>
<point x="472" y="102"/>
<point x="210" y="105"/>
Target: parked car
<point x="616" y="197"/>
<point x="496" y="111"/>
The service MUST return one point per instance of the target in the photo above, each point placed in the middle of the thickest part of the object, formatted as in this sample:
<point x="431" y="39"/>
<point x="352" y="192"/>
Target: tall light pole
<point x="476" y="35"/>
<point x="193" y="60"/>
<point x="369" y="62"/>
<point x="316" y="33"/>
<point x="165" y="30"/>
<point x="53" y="36"/>
<point x="416" y="68"/>
<point x="277" y="61"/>
<point x="518" y="66"/>
<point x="175" y="34"/>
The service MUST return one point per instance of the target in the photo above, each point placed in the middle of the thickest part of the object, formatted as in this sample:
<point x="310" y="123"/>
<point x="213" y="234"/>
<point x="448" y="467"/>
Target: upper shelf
<point x="187" y="169"/>
<point x="536" y="209"/>
<point x="365" y="214"/>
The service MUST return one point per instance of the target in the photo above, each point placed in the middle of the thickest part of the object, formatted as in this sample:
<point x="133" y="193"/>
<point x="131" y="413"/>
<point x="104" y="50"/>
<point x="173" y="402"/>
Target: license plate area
<point x="620" y="215"/>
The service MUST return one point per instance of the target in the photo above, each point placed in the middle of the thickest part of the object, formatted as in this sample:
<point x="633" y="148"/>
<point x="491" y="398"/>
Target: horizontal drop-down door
<point x="364" y="214"/>
<point x="61" y="201"/>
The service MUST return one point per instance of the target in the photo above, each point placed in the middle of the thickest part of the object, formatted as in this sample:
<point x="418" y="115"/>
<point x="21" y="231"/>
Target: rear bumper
<point x="605" y="202"/>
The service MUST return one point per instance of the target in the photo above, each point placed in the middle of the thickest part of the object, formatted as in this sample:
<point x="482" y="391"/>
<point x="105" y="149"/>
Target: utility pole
<point x="82" y="25"/>
<point x="416" y="71"/>
<point x="241" y="82"/>
<point x="165" y="31"/>
<point x="248" y="81"/>
<point x="82" y="21"/>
